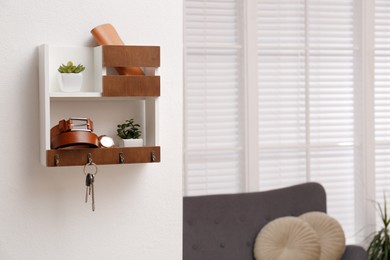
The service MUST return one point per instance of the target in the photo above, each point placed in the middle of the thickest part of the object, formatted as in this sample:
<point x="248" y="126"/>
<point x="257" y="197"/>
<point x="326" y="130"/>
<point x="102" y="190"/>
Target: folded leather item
<point x="105" y="34"/>
<point x="76" y="139"/>
<point x="71" y="125"/>
<point x="68" y="134"/>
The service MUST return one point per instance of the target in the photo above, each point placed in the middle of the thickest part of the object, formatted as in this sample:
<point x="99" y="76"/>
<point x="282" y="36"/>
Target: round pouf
<point x="287" y="238"/>
<point x="330" y="233"/>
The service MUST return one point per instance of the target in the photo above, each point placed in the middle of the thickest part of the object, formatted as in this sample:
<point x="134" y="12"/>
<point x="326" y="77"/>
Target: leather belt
<point x="78" y="139"/>
<point x="67" y="134"/>
<point x="70" y="125"/>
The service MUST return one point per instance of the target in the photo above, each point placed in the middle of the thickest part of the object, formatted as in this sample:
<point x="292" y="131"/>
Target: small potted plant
<point x="130" y="134"/>
<point x="379" y="248"/>
<point x="72" y="77"/>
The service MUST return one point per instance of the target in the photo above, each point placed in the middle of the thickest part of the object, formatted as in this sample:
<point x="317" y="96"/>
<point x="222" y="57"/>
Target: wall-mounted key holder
<point x="117" y="155"/>
<point x="101" y="91"/>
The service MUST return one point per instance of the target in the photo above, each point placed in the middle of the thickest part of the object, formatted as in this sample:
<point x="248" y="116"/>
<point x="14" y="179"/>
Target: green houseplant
<point x="379" y="248"/>
<point x="130" y="134"/>
<point x="70" y="68"/>
<point x="71" y="77"/>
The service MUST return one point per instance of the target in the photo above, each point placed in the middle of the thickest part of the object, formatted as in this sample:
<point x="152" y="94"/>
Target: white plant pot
<point x="131" y="142"/>
<point x="71" y="82"/>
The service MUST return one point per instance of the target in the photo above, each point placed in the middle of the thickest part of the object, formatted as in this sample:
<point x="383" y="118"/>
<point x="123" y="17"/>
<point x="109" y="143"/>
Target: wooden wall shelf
<point x="120" y="155"/>
<point x="101" y="94"/>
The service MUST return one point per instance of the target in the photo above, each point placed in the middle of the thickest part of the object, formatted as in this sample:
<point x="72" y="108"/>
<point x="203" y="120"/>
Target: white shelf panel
<point x="75" y="94"/>
<point x="93" y="97"/>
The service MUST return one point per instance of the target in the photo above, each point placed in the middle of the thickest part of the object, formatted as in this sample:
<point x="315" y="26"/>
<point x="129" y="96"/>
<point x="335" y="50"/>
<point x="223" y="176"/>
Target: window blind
<point x="212" y="97"/>
<point x="281" y="93"/>
<point x="307" y="88"/>
<point x="382" y="99"/>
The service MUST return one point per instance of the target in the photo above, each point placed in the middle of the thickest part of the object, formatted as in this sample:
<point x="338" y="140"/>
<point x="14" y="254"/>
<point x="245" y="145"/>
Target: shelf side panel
<point x="44" y="102"/>
<point x="99" y="70"/>
<point x="151" y="121"/>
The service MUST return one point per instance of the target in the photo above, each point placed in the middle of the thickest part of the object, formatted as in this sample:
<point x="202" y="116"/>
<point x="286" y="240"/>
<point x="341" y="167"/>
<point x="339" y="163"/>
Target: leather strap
<point x="75" y="139"/>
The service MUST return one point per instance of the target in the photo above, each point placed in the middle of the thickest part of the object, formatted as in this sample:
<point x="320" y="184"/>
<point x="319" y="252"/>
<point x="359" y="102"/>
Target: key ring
<point x="90" y="164"/>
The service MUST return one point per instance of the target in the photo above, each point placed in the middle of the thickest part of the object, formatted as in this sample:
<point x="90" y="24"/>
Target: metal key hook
<point x="89" y="157"/>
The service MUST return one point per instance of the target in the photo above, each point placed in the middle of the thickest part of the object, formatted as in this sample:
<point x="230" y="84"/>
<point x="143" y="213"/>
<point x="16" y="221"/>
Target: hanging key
<point x="93" y="192"/>
<point x="88" y="181"/>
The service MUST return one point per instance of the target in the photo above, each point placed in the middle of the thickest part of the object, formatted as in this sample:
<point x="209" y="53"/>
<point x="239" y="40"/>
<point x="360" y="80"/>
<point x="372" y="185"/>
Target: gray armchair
<point x="224" y="227"/>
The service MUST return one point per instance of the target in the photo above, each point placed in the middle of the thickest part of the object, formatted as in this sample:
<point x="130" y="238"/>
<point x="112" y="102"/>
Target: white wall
<point x="42" y="210"/>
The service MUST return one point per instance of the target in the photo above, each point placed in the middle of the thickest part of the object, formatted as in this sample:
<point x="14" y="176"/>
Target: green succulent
<point x="129" y="130"/>
<point x="70" y="68"/>
<point x="379" y="248"/>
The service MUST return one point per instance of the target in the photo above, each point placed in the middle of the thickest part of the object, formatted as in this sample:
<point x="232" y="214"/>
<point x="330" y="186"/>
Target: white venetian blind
<point x="307" y="88"/>
<point x="281" y="93"/>
<point x="382" y="99"/>
<point x="212" y="114"/>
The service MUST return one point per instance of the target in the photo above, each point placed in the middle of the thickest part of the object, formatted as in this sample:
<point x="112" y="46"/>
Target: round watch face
<point x="106" y="141"/>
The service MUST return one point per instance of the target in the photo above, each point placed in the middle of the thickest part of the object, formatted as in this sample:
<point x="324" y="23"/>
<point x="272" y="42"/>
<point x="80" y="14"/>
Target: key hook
<point x="56" y="159"/>
<point x="89" y="157"/>
<point x="153" y="156"/>
<point x="121" y="158"/>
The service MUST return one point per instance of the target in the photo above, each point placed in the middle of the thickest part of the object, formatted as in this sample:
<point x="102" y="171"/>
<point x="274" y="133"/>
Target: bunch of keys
<point x="89" y="183"/>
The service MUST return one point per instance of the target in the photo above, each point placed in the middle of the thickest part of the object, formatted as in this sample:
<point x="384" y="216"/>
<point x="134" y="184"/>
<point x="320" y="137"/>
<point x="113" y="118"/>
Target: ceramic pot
<point x="71" y="82"/>
<point x="131" y="142"/>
